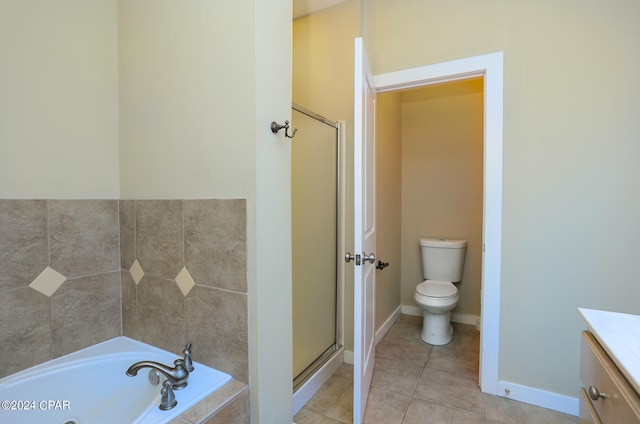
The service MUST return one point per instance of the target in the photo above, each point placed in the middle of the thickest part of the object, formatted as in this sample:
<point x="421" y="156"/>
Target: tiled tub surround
<point x="77" y="272"/>
<point x="184" y="278"/>
<point x="59" y="278"/>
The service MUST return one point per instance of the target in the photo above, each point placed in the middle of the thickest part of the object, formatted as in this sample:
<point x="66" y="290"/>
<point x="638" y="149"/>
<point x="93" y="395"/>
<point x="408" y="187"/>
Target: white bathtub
<point x="90" y="387"/>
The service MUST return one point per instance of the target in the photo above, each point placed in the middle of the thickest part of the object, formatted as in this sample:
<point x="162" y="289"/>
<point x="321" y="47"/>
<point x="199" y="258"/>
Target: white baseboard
<point x="313" y="384"/>
<point x="460" y="318"/>
<point x="542" y="398"/>
<point x="469" y="319"/>
<point x="348" y="354"/>
<point x="348" y="357"/>
<point x="411" y="310"/>
<point x="384" y="329"/>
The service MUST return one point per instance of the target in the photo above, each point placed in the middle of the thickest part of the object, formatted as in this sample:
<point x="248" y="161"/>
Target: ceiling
<point x="306" y="7"/>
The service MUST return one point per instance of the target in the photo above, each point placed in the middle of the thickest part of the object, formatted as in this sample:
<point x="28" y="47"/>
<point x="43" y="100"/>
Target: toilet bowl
<point x="442" y="265"/>
<point x="436" y="299"/>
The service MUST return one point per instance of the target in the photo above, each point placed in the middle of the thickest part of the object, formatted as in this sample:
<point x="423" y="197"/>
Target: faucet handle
<point x="188" y="364"/>
<point x="168" y="399"/>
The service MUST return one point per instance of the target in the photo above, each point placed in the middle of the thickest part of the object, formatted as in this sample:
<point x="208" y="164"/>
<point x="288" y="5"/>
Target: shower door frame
<point x="303" y="378"/>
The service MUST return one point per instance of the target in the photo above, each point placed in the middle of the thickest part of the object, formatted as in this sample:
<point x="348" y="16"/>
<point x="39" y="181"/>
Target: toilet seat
<point x="437" y="289"/>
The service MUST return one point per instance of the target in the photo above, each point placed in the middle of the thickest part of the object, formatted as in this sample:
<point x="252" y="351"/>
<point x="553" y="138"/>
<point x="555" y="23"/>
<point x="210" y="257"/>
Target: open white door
<point x="364" y="231"/>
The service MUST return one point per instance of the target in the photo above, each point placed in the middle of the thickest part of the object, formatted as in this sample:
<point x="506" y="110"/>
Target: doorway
<point x="489" y="67"/>
<point x="439" y="145"/>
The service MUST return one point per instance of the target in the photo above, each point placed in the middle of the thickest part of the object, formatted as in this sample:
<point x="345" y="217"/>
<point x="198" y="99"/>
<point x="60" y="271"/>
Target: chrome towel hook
<point x="275" y="127"/>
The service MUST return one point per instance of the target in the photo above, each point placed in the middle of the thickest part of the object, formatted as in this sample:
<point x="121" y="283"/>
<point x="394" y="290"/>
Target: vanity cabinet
<point x="606" y="397"/>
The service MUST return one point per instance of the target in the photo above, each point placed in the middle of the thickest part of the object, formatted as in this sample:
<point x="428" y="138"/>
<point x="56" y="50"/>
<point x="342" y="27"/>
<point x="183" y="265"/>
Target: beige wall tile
<point x="25" y="331"/>
<point x="215" y="242"/>
<point x="159" y="237"/>
<point x="215" y="321"/>
<point x="217" y="327"/>
<point x="215" y="401"/>
<point x="237" y="412"/>
<point x="74" y="237"/>
<point x="85" y="311"/>
<point x="83" y="236"/>
<point x="23" y="241"/>
<point x="127" y="234"/>
<point x="90" y="237"/>
<point x="129" y="294"/>
<point x="48" y="281"/>
<point x="161" y="314"/>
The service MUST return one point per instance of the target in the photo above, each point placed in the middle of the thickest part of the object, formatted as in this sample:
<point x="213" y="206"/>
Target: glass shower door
<point x="314" y="194"/>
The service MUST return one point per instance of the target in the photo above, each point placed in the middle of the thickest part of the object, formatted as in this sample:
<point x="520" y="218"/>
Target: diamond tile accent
<point x="136" y="272"/>
<point x="48" y="281"/>
<point x="185" y="281"/>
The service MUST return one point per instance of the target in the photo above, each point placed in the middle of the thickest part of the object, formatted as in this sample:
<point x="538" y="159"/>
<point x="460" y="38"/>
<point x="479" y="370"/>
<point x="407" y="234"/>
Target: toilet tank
<point x="442" y="259"/>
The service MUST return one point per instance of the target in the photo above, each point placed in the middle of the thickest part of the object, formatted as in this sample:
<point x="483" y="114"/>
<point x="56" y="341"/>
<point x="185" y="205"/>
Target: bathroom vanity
<point x="610" y="368"/>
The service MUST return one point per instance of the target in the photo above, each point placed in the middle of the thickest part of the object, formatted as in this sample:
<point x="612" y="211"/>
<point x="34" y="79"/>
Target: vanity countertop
<point x="619" y="335"/>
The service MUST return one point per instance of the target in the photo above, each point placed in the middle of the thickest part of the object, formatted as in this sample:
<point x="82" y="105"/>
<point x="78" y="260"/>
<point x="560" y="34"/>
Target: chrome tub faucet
<point x="176" y="376"/>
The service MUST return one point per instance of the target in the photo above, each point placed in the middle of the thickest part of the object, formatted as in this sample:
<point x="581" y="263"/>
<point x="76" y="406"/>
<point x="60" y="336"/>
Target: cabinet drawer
<point x="620" y="404"/>
<point x="588" y="415"/>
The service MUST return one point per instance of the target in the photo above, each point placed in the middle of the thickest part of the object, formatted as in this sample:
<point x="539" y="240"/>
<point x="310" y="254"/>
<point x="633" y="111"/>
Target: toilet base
<point x="436" y="328"/>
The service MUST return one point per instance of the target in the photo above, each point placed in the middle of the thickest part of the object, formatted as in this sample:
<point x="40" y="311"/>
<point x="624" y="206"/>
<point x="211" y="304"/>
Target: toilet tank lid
<point x="443" y="243"/>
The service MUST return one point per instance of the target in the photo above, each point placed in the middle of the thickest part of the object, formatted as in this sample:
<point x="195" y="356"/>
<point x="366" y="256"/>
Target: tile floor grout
<point x="416" y="383"/>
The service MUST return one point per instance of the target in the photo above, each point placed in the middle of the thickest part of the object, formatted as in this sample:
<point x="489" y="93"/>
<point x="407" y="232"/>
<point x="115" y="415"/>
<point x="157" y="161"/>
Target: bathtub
<point x="90" y="387"/>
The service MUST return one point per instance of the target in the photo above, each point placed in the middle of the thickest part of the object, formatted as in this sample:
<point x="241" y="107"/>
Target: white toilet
<point x="442" y="265"/>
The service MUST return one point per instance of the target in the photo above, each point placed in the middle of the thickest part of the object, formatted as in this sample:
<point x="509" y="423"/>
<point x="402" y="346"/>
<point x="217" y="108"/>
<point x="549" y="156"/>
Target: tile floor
<point x="416" y="383"/>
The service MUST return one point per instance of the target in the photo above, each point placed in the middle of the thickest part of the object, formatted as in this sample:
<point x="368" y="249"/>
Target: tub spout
<point x="177" y="375"/>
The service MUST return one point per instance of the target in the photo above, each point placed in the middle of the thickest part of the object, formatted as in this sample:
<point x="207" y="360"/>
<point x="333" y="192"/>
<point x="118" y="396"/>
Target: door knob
<point x="348" y="257"/>
<point x="371" y="258"/>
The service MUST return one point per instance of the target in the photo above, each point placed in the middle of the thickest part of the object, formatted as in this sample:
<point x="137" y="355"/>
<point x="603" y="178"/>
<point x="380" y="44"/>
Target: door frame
<point x="490" y="67"/>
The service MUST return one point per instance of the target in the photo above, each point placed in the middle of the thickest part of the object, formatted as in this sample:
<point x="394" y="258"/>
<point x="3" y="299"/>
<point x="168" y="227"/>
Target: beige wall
<point x="186" y="99"/>
<point x="323" y="82"/>
<point x="442" y="143"/>
<point x="269" y="213"/>
<point x="59" y="101"/>
<point x="388" y="208"/>
<point x="570" y="194"/>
